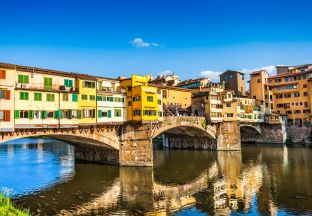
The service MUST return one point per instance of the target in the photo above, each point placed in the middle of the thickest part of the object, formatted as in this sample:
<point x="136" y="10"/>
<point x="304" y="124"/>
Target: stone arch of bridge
<point x="247" y="129"/>
<point x="79" y="137"/>
<point x="184" y="128"/>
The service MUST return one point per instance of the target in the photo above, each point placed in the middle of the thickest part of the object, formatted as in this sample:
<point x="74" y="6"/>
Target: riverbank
<point x="8" y="209"/>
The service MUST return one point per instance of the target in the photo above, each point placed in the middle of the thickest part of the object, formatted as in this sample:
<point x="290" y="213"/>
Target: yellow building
<point x="142" y="100"/>
<point x="87" y="100"/>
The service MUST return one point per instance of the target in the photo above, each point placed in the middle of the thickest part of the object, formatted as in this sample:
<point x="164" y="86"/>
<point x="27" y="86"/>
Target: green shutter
<point x="20" y="79"/>
<point x="111" y="99"/>
<point x="38" y="96"/>
<point x="23" y="79"/>
<point x="79" y="114"/>
<point x="70" y="114"/>
<point x="100" y="114"/>
<point x="93" y="84"/>
<point x="70" y="83"/>
<point x="104" y="98"/>
<point x="16" y="114"/>
<point x="74" y="97"/>
<point x="47" y="83"/>
<point x="109" y="113"/>
<point x="60" y="114"/>
<point x="44" y="114"/>
<point x="30" y="114"/>
<point x="98" y="98"/>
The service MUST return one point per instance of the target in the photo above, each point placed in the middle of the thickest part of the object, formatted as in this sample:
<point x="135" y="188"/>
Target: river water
<point x="41" y="175"/>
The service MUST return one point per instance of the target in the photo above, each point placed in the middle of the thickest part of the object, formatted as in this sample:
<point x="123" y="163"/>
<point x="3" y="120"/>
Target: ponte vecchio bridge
<point x="130" y="144"/>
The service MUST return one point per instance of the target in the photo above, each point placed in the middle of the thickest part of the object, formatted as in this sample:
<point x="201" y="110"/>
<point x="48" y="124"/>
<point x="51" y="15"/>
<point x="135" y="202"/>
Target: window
<point x="160" y="114"/>
<point x="50" y="114"/>
<point x="297" y="111"/>
<point x="136" y="98"/>
<point x="150" y="98"/>
<point x="137" y="113"/>
<point x="305" y="93"/>
<point x="88" y="84"/>
<point x="2" y="74"/>
<point x="23" y="114"/>
<point x="47" y="83"/>
<point x="129" y="89"/>
<point x="296" y="94"/>
<point x="228" y="105"/>
<point x="24" y="79"/>
<point x="129" y="103"/>
<point x="306" y="104"/>
<point x="99" y="98"/>
<point x="92" y="97"/>
<point x="38" y="96"/>
<point x="5" y="94"/>
<point x="37" y="114"/>
<point x="258" y="80"/>
<point x="159" y="102"/>
<point x="84" y="97"/>
<point x="117" y="112"/>
<point x="305" y="86"/>
<point x="65" y="97"/>
<point x="88" y="113"/>
<point x="68" y="83"/>
<point x="288" y="112"/>
<point x="229" y="115"/>
<point x="1" y="115"/>
<point x="229" y="95"/>
<point x="149" y="112"/>
<point x="50" y="97"/>
<point x="74" y="97"/>
<point x="24" y="95"/>
<point x="288" y="95"/>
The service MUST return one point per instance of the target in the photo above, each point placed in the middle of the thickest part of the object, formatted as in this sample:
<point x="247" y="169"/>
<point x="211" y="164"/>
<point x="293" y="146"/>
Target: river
<point x="41" y="175"/>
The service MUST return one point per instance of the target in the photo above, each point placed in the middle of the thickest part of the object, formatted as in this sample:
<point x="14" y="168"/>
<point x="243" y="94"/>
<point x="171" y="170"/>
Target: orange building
<point x="288" y="92"/>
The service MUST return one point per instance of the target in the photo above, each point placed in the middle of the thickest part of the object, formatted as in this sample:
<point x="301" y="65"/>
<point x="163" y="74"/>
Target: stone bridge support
<point x="270" y="134"/>
<point x="228" y="136"/>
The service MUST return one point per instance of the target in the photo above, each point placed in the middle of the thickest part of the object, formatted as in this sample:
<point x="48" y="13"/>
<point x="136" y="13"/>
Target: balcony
<point x="118" y="90"/>
<point x="42" y="87"/>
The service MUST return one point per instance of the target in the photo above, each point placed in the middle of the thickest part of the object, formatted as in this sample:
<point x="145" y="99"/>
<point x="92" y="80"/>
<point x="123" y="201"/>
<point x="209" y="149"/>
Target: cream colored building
<point x="111" y="101"/>
<point x="7" y="81"/>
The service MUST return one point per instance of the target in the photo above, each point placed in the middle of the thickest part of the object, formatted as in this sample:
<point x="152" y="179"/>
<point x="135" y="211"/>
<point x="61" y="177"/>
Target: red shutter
<point x="7" y="94"/>
<point x="2" y="74"/>
<point x="7" y="115"/>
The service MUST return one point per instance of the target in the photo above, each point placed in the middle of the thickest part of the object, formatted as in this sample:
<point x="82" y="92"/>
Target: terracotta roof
<point x="257" y="72"/>
<point x="50" y="71"/>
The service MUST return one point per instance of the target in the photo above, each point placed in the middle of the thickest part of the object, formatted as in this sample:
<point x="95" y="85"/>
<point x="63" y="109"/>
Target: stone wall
<point x="186" y="142"/>
<point x="270" y="134"/>
<point x="96" y="154"/>
<point x="136" y="145"/>
<point x="299" y="134"/>
<point x="228" y="136"/>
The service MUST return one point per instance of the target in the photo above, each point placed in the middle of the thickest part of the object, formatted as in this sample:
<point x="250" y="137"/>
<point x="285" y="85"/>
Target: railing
<point x="111" y="90"/>
<point x="40" y="86"/>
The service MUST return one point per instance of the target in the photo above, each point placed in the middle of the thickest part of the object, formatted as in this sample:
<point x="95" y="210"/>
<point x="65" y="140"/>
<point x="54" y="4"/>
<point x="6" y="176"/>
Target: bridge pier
<point x="228" y="136"/>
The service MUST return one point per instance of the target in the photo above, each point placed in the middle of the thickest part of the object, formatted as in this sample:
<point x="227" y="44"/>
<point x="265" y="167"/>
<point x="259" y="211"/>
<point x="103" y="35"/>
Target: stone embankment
<point x="299" y="134"/>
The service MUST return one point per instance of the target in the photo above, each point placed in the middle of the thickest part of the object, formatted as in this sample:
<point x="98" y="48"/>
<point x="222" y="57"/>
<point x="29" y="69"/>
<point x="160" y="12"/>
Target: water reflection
<point x="258" y="180"/>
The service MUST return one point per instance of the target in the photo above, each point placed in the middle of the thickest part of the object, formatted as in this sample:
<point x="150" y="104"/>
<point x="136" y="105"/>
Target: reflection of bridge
<point x="130" y="144"/>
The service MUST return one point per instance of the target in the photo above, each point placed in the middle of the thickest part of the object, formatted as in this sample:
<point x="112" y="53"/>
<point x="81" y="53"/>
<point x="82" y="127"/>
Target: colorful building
<point x="142" y="100"/>
<point x="234" y="81"/>
<point x="286" y="93"/>
<point x="7" y="82"/>
<point x="87" y="100"/>
<point x="111" y="101"/>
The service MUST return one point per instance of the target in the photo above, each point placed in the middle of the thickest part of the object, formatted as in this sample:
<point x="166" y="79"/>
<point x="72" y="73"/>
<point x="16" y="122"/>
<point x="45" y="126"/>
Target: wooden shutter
<point x="44" y="114"/>
<point x="74" y="97"/>
<point x="31" y="114"/>
<point x="2" y="74"/>
<point x="99" y="113"/>
<point x="7" y="94"/>
<point x="109" y="113"/>
<point x="7" y="115"/>
<point x="16" y="114"/>
<point x="79" y="114"/>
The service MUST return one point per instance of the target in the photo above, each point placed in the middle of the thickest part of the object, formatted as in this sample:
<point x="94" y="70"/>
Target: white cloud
<point x="139" y="43"/>
<point x="212" y="75"/>
<point x="165" y="72"/>
<point x="270" y="69"/>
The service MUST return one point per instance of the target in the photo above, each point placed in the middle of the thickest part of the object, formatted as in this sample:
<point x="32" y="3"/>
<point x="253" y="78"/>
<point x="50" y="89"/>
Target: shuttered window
<point x="38" y="96"/>
<point x="47" y="83"/>
<point x="84" y="97"/>
<point x="5" y="94"/>
<point x="24" y="95"/>
<point x="74" y="97"/>
<point x="2" y="74"/>
<point x="50" y="97"/>
<point x="24" y="79"/>
<point x="68" y="83"/>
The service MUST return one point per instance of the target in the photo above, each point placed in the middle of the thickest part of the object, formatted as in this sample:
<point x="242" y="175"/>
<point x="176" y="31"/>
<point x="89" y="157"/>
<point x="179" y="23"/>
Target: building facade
<point x="286" y="93"/>
<point x="111" y="102"/>
<point x="234" y="81"/>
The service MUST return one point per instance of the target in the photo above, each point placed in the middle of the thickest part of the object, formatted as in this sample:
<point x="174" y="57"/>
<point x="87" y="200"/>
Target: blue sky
<point x="114" y="37"/>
